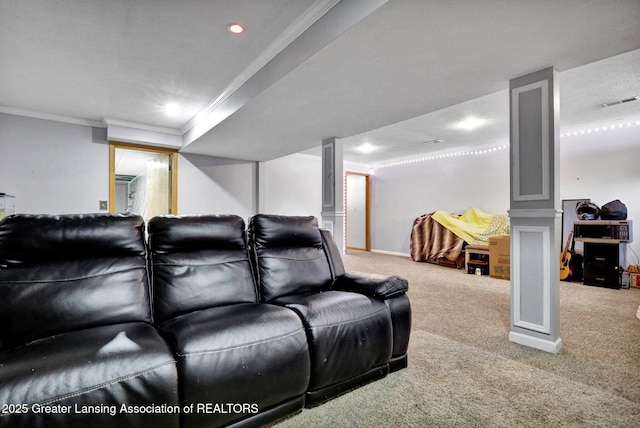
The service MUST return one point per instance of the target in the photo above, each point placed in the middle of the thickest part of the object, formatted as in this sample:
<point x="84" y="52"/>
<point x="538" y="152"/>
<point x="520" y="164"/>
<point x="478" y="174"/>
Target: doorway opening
<point x="142" y="180"/>
<point x="357" y="201"/>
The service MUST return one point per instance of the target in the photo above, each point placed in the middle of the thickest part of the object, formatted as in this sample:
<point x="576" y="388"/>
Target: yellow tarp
<point x="468" y="226"/>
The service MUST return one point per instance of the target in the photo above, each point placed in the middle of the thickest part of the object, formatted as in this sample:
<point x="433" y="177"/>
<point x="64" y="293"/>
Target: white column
<point x="535" y="212"/>
<point x="259" y="204"/>
<point x="333" y="214"/>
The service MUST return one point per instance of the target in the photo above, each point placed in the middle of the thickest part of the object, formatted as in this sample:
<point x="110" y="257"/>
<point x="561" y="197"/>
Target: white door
<point x="357" y="210"/>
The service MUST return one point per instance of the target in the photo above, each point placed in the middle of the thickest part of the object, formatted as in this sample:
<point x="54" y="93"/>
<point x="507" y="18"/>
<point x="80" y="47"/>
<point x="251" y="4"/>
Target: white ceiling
<point x="393" y="73"/>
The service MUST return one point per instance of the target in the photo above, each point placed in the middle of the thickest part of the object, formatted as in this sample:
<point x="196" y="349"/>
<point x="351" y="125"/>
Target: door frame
<point x="367" y="218"/>
<point x="173" y="164"/>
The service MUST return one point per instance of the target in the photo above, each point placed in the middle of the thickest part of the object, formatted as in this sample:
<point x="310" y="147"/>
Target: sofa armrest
<point x="333" y="253"/>
<point x="374" y="285"/>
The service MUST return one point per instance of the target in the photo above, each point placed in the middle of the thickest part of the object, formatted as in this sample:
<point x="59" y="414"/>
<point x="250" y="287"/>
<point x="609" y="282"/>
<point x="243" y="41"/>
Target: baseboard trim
<point x="391" y="253"/>
<point x="536" y="342"/>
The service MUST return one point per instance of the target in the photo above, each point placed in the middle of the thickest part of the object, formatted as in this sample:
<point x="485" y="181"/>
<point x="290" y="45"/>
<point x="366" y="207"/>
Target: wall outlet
<point x="103" y="206"/>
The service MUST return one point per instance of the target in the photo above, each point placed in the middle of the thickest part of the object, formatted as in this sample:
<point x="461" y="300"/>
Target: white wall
<point x="402" y="193"/>
<point x="53" y="167"/>
<point x="604" y="166"/>
<point x="210" y="185"/>
<point x="292" y="185"/>
<point x="601" y="166"/>
<point x="56" y="168"/>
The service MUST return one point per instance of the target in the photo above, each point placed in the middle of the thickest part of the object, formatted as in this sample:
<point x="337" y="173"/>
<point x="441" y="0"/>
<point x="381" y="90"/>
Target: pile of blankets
<point x="439" y="237"/>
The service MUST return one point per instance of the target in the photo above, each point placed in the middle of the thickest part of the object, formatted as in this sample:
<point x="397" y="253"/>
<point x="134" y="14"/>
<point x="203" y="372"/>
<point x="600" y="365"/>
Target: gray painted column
<point x="260" y="188"/>
<point x="535" y="211"/>
<point x="333" y="215"/>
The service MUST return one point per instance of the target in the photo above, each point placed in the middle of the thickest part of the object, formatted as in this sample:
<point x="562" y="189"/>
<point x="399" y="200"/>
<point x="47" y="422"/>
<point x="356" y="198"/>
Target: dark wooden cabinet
<point x="602" y="264"/>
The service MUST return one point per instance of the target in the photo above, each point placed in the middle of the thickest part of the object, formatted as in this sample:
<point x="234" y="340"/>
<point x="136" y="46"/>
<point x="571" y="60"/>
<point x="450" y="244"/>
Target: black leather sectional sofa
<point x="191" y="321"/>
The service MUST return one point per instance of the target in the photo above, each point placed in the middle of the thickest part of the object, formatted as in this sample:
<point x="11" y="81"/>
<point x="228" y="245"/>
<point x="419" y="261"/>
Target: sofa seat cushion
<point x="244" y="353"/>
<point x="349" y="334"/>
<point x="108" y="366"/>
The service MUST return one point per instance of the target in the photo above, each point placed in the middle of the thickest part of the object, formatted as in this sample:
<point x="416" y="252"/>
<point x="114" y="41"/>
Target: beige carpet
<point x="463" y="371"/>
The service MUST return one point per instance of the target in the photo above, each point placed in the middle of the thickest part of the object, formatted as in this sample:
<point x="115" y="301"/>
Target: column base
<point x="536" y="342"/>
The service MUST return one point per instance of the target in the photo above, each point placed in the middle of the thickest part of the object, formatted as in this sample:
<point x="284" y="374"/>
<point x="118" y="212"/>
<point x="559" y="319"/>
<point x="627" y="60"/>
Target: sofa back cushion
<point x="199" y="262"/>
<point x="61" y="273"/>
<point x="289" y="253"/>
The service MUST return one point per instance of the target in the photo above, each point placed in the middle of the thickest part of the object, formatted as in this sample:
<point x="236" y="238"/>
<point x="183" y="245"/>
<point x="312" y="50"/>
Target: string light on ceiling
<point x="600" y="128"/>
<point x="444" y="156"/>
<point x="572" y="133"/>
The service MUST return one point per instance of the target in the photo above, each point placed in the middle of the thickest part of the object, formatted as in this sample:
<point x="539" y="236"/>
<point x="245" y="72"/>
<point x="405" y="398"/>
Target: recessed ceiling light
<point x="366" y="148"/>
<point x="172" y="109"/>
<point x="235" y="28"/>
<point x="470" y="123"/>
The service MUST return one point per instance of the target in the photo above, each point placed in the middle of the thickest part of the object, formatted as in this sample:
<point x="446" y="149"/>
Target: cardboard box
<point x="500" y="257"/>
<point x="634" y="280"/>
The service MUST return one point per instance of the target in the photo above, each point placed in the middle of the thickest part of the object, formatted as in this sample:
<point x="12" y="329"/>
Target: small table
<point x="470" y="250"/>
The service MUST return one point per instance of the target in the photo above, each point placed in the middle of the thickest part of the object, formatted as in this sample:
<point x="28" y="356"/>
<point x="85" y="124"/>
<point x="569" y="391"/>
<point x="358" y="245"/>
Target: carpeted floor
<point x="463" y="370"/>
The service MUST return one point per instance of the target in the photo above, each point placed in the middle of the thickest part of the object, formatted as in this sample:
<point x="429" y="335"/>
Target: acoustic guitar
<point x="565" y="257"/>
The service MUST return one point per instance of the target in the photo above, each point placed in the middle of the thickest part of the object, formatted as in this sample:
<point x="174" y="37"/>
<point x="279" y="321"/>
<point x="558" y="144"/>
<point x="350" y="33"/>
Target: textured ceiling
<point x="583" y="90"/>
<point x="392" y="73"/>
<point x="125" y="59"/>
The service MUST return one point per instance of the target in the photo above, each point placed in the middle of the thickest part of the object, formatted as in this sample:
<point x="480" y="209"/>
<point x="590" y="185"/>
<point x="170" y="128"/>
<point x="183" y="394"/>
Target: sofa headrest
<point x="275" y="231"/>
<point x="35" y="237"/>
<point x="196" y="232"/>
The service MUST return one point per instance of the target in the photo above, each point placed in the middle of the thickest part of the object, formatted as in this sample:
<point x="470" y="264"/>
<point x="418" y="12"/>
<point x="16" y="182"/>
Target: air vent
<point x="626" y="100"/>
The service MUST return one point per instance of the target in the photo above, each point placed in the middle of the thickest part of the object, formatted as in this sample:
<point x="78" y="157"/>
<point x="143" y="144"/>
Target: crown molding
<point x="115" y="122"/>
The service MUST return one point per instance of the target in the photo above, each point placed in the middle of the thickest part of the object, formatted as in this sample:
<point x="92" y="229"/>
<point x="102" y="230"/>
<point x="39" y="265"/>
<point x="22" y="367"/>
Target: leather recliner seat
<point x="390" y="288"/>
<point x="76" y="331"/>
<point x="231" y="349"/>
<point x="349" y="325"/>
